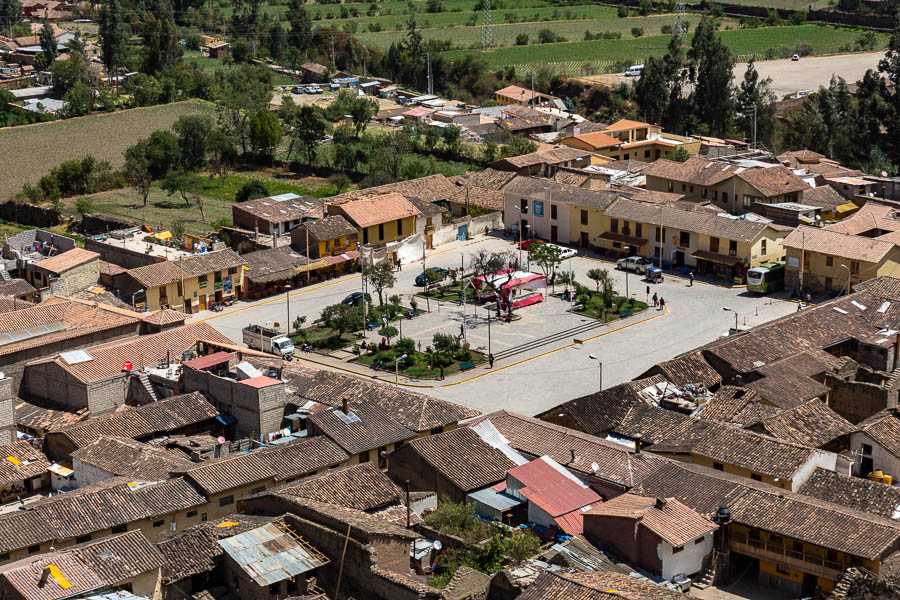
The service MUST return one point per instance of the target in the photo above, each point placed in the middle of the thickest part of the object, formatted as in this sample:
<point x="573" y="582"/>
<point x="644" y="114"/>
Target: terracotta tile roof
<point x="677" y="219"/>
<point x="275" y="264"/>
<point x="804" y="154"/>
<point x="731" y="401"/>
<point x="46" y="415"/>
<point x="103" y="297"/>
<point x="166" y="415"/>
<point x="129" y="458"/>
<point x="844" y="245"/>
<point x="597" y="140"/>
<point x="601" y="411"/>
<point x="377" y="208"/>
<point x="19" y="461"/>
<point x="479" y="196"/>
<point x="303" y="457"/>
<point x="779" y="511"/>
<point x="517" y="93"/>
<point x="371" y="428"/>
<point x="857" y="493"/>
<point x="884" y="428"/>
<point x="594" y="585"/>
<point x="166" y="317"/>
<point x="758" y="453"/>
<point x="773" y="181"/>
<point x="617" y="464"/>
<point x="431" y="189"/>
<point x="11" y="303"/>
<point x="688" y="369"/>
<point x="142" y="351"/>
<point x="626" y="124"/>
<point x="811" y="424"/>
<point x="670" y="519"/>
<point x="655" y="424"/>
<point x="363" y="487"/>
<point x="535" y="188"/>
<point x="552" y="156"/>
<point x="870" y="217"/>
<point x="16" y="287"/>
<point x="167" y="272"/>
<point x="78" y="319"/>
<point x="489" y="178"/>
<point x="92" y="509"/>
<point x="823" y="196"/>
<point x="65" y="261"/>
<point x="329" y="228"/>
<point x="571" y="177"/>
<point x="788" y="389"/>
<point x="287" y="207"/>
<point x="463" y="458"/>
<point x="696" y="170"/>
<point x="416" y="411"/>
<point x="362" y="524"/>
<point x="630" y="165"/>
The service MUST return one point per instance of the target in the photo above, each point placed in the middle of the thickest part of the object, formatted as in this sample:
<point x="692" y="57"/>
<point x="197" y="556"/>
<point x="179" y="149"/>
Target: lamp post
<point x="287" y="297"/>
<point x="488" y="309"/>
<point x="661" y="239"/>
<point x="527" y="226"/>
<point x="848" y="278"/>
<point x="397" y="369"/>
<point x="599" y="370"/>
<point x="725" y="308"/>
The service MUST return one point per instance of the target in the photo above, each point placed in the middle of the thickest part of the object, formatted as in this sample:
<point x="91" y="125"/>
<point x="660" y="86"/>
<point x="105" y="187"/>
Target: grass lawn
<point x="449" y="293"/>
<point x="596" y="311"/>
<point x="225" y="188"/>
<point x="323" y="338"/>
<point x="569" y="56"/>
<point x="419" y="368"/>
<point x="105" y="136"/>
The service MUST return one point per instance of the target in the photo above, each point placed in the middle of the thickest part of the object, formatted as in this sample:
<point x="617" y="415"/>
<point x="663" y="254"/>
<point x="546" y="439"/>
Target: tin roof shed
<point x="272" y="553"/>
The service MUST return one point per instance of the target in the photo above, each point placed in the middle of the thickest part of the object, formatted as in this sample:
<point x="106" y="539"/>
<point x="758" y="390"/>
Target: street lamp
<point x="599" y="369"/>
<point x="527" y="226"/>
<point x="287" y="297"/>
<point x="397" y="369"/>
<point x="488" y="309"/>
<point x="848" y="277"/>
<point x="725" y="308"/>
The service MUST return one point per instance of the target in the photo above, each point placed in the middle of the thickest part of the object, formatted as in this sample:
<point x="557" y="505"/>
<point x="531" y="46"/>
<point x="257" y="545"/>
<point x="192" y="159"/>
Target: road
<point x="810" y="72"/>
<point x="541" y="377"/>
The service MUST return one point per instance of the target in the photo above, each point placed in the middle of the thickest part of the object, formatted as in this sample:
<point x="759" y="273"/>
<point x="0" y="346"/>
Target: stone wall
<point x="859" y="400"/>
<point x="257" y="410"/>
<point x="124" y="257"/>
<point x="79" y="278"/>
<point x="7" y="412"/>
<point x="96" y="224"/>
<point x="29" y="214"/>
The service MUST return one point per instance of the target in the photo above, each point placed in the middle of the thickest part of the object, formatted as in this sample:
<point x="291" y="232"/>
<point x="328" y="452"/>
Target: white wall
<point x="820" y="458"/>
<point x="540" y="226"/>
<point x="882" y="460"/>
<point x="688" y="561"/>
<point x="86" y="474"/>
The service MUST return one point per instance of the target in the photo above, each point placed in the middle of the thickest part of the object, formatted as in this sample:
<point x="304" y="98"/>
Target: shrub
<point x="444" y="342"/>
<point x="522" y="39"/>
<point x="637" y="32"/>
<point x="251" y="190"/>
<point x="84" y="205"/>
<point x="405" y="346"/>
<point x="666" y="30"/>
<point x="622" y="12"/>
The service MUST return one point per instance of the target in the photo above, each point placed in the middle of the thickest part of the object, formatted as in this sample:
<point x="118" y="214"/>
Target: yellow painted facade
<point x="388" y="232"/>
<point x="736" y="470"/>
<point x="824" y="271"/>
<point x="201" y="291"/>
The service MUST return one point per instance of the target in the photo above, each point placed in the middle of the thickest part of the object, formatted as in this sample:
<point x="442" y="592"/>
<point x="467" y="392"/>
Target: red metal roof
<point x="260" y="382"/>
<point x="572" y="523"/>
<point x="333" y="260"/>
<point x="549" y="489"/>
<point x="204" y="362"/>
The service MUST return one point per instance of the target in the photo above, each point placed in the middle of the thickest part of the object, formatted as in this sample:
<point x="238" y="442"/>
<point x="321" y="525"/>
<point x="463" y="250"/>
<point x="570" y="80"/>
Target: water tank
<point x="723" y="515"/>
<point x="888" y="480"/>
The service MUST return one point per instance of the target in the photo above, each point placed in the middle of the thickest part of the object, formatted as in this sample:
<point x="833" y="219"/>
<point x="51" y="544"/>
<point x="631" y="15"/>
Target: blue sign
<point x="538" y="208"/>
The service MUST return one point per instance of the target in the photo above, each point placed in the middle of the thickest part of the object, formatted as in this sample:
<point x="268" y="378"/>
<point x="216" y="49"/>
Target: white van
<point x="634" y="71"/>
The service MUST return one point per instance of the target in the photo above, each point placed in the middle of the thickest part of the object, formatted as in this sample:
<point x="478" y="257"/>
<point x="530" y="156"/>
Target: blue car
<point x="420" y="279"/>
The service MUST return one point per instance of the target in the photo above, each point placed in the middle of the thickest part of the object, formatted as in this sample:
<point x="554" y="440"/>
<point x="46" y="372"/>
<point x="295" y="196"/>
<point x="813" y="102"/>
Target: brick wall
<point x="7" y="412"/>
<point x="858" y="400"/>
<point x="107" y="395"/>
<point x="257" y="410"/>
<point x="80" y="278"/>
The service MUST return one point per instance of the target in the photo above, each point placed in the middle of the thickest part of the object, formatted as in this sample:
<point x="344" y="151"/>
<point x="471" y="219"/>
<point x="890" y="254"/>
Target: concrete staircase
<point x="145" y="383"/>
<point x="705" y="579"/>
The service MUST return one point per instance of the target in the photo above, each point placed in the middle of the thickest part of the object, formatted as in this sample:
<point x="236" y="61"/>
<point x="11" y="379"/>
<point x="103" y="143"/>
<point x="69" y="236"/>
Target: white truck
<point x="267" y="339"/>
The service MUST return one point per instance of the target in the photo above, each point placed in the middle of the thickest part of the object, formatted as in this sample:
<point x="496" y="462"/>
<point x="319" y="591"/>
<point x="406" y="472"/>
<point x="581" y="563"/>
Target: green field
<point x="42" y="146"/>
<point x="569" y="56"/>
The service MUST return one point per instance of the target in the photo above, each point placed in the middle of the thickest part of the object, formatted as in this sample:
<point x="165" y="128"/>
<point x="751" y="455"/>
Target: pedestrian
<point x="662" y="303"/>
<point x="442" y="372"/>
<point x="808" y="299"/>
<point x="655" y="300"/>
<point x="491" y="360"/>
<point x="462" y="330"/>
<point x="399" y="266"/>
<point x="692" y="279"/>
<point x="799" y="305"/>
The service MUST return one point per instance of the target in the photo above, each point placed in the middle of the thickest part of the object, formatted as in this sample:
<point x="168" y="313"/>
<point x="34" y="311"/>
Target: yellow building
<point x="632" y="140"/>
<point x="330" y="236"/>
<point x="379" y="218"/>
<point x="190" y="283"/>
<point x="713" y="244"/>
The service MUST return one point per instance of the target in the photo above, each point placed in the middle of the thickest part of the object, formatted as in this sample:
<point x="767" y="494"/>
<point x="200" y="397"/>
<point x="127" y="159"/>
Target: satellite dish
<point x="438" y="545"/>
<point x="221" y="439"/>
<point x="594" y="467"/>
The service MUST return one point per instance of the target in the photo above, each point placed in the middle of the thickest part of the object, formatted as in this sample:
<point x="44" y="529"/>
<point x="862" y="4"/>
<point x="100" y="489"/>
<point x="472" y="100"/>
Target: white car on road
<point x="637" y="264"/>
<point x="564" y="252"/>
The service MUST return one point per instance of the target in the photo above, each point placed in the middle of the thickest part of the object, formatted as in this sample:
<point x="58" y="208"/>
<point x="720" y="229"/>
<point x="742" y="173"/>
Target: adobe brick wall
<point x="107" y="395"/>
<point x="405" y="464"/>
<point x="626" y="536"/>
<point x="51" y="382"/>
<point x="857" y="400"/>
<point x="80" y="278"/>
<point x="256" y="410"/>
<point x="7" y="412"/>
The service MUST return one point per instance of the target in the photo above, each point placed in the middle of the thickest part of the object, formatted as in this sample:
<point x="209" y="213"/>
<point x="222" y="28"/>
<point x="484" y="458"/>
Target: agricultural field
<point x="42" y="146"/>
<point x="764" y="42"/>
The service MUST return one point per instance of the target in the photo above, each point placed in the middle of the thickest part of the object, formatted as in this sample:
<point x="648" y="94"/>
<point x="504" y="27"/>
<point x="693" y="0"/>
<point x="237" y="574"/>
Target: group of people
<point x="659" y="302"/>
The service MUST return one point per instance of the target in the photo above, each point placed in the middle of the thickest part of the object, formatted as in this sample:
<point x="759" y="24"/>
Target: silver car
<point x="636" y="264"/>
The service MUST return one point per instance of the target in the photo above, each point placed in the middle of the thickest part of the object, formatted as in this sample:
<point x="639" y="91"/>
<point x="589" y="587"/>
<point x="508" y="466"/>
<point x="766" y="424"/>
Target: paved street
<point x="541" y="377"/>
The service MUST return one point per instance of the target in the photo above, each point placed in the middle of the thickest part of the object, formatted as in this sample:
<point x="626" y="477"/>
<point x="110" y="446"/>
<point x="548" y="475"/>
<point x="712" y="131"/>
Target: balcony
<point x="809" y="563"/>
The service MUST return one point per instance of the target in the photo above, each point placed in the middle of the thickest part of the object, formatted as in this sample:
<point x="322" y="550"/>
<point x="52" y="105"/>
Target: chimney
<point x="346" y="406"/>
<point x="573" y="455"/>
<point x="637" y="443"/>
<point x="45" y="575"/>
<point x="660" y="503"/>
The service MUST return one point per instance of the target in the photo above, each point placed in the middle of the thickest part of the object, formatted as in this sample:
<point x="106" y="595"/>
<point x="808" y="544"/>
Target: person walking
<point x="442" y="372"/>
<point x="655" y="300"/>
<point x="662" y="303"/>
<point x="691" y="276"/>
<point x="399" y="264"/>
<point x="491" y="360"/>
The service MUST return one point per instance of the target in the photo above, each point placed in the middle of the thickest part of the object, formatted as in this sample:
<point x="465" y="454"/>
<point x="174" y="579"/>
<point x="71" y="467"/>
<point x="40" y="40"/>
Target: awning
<point x="333" y="260"/>
<point x="716" y="258"/>
<point x="316" y="264"/>
<point x="625" y="239"/>
<point x="61" y="470"/>
<point x="846" y="207"/>
<point x="226" y="419"/>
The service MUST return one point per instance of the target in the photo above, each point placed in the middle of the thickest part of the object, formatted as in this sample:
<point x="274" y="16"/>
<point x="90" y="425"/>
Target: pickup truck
<point x="268" y="340"/>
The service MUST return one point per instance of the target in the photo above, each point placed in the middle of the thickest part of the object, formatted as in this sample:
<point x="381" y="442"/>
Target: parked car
<point x="795" y="57"/>
<point x="313" y="89"/>
<point x="637" y="264"/>
<point x="356" y="297"/>
<point x="634" y="71"/>
<point x="420" y="278"/>
<point x="525" y="244"/>
<point x="296" y="90"/>
<point x="564" y="252"/>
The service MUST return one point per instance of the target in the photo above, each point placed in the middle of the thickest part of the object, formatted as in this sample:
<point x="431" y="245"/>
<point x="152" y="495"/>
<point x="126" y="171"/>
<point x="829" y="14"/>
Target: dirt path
<point x="810" y="72"/>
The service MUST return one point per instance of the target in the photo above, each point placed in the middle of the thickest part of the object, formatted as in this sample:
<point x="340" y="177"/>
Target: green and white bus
<point x="767" y="277"/>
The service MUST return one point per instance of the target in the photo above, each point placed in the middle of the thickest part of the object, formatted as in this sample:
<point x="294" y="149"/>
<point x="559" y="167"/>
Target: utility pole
<point x="532" y="88"/>
<point x="754" y="125"/>
<point x="487" y="36"/>
<point x="332" y="51"/>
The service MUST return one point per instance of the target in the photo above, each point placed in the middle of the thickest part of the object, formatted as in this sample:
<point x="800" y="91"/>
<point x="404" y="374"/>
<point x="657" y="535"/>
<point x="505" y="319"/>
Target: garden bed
<point x="416" y="365"/>
<point x="619" y="308"/>
<point x="448" y="293"/>
<point x="323" y="338"/>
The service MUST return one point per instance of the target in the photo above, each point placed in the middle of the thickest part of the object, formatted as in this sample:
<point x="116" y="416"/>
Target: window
<point x="626" y="157"/>
<point x="646" y="154"/>
<point x="626" y="228"/>
<point x="763" y="248"/>
<point x="399" y="227"/>
<point x="83" y="538"/>
<point x="755" y="477"/>
<point x="714" y="244"/>
<point x="275" y="589"/>
<point x="203" y="517"/>
<point x="866" y="449"/>
<point x="663" y="234"/>
<point x="380" y="231"/>
<point x="364" y="457"/>
<point x="232" y="270"/>
<point x="201" y="280"/>
<point x="718" y="466"/>
<point x="584" y="217"/>
<point x="683" y="187"/>
<point x="671" y="186"/>
<point x="191" y="514"/>
<point x="327" y="245"/>
<point x="748" y="201"/>
<point x="854" y="267"/>
<point x="437" y="430"/>
<point x="699" y="540"/>
<point x="617" y="244"/>
<point x="677" y="550"/>
<point x="34" y="549"/>
<point x="4" y="557"/>
<point x="257" y="490"/>
<point x="829" y="261"/>
<point x="365" y="235"/>
<point x="692" y="189"/>
<point x="120" y="529"/>
<point x="217" y="276"/>
<point x="782" y="570"/>
<point x="638" y="229"/>
<point x="614" y="225"/>
<point x="724" y="196"/>
<point x="704" y="192"/>
<point x="715" y="194"/>
<point x="829" y="284"/>
<point x="732" y="248"/>
<point x="684" y="238"/>
<point x="226" y="500"/>
<point x="159" y="523"/>
<point x="553" y="212"/>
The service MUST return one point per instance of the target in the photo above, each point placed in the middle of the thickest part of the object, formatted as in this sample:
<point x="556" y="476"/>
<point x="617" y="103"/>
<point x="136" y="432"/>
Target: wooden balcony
<point x="809" y="563"/>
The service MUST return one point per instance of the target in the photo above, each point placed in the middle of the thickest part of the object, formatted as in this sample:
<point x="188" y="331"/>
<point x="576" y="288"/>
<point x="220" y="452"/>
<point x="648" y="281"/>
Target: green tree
<point x="679" y="154"/>
<point x="159" y="153"/>
<point x="242" y="93"/>
<point x="265" y="133"/>
<point x="381" y="277"/>
<point x="388" y="331"/>
<point x="137" y="173"/>
<point x="306" y="128"/>
<point x="162" y="47"/>
<point x="712" y="65"/>
<point x="49" y="46"/>
<point x="755" y="105"/>
<point x="251" y="190"/>
<point x="432" y="137"/>
<point x="113" y="38"/>
<point x="193" y="138"/>
<point x="67" y="73"/>
<point x="637" y="32"/>
<point x="220" y="151"/>
<point x="890" y="67"/>
<point x="79" y="101"/>
<point x="300" y="36"/>
<point x="547" y="257"/>
<point x="145" y="89"/>
<point x="84" y="205"/>
<point x="10" y="14"/>
<point x="362" y="111"/>
<point x="489" y="266"/>
<point x="181" y="183"/>
<point x="453" y="138"/>
<point x="342" y="318"/>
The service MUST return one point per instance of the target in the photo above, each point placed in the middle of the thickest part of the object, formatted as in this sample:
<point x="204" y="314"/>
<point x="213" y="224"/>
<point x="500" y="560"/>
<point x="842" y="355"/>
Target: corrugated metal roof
<point x="269" y="554"/>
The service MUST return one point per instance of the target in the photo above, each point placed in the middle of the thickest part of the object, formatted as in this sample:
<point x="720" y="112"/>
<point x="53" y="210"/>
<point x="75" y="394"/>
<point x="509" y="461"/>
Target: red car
<point x="525" y="244"/>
